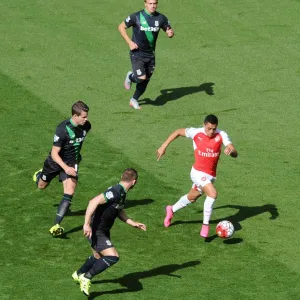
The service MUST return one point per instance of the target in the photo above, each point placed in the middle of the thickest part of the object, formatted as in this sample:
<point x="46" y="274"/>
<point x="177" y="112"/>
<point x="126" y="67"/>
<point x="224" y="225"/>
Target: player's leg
<point x="149" y="65"/>
<point x="137" y="76"/>
<point x="108" y="256"/>
<point x="87" y="265"/>
<point x="43" y="177"/>
<point x="184" y="201"/>
<point x="69" y="184"/>
<point x="211" y="196"/>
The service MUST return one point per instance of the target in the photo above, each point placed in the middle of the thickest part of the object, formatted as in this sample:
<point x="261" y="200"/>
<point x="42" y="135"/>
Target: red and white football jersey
<point x="207" y="150"/>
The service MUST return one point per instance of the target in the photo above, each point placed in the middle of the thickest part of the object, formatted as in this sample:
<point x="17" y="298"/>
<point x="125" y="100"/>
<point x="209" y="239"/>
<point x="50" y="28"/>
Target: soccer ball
<point x="224" y="229"/>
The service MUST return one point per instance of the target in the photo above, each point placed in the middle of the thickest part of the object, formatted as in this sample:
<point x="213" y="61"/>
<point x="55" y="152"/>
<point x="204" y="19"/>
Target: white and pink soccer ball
<point x="225" y="229"/>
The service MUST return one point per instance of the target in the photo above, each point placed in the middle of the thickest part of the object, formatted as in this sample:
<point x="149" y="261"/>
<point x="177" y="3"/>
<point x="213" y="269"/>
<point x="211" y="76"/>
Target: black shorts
<point x="100" y="241"/>
<point x="142" y="65"/>
<point x="51" y="169"/>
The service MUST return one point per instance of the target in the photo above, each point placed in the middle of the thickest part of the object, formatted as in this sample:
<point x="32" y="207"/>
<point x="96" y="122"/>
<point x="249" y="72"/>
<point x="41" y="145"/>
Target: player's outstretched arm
<point x="98" y="200"/>
<point x="162" y="149"/>
<point x="123" y="217"/>
<point x="230" y="150"/>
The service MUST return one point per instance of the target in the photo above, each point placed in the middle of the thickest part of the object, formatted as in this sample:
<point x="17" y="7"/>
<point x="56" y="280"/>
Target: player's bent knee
<point x="110" y="260"/>
<point x="213" y="195"/>
<point x="140" y="79"/>
<point x="42" y="186"/>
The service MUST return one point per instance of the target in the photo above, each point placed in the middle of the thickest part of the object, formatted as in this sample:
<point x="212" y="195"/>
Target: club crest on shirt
<point x="217" y="138"/>
<point x="109" y="195"/>
<point x="156" y="23"/>
<point x="203" y="178"/>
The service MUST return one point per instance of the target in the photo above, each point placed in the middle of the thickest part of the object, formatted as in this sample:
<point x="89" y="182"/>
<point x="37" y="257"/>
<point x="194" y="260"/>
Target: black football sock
<point x="63" y="208"/>
<point x="101" y="265"/>
<point x="87" y="265"/>
<point x="140" y="89"/>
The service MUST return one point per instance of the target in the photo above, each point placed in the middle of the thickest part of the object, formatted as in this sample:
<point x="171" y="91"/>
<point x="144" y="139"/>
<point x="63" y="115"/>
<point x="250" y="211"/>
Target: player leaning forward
<point x="99" y="219"/>
<point x="207" y="142"/>
<point x="64" y="158"/>
<point x="146" y="25"/>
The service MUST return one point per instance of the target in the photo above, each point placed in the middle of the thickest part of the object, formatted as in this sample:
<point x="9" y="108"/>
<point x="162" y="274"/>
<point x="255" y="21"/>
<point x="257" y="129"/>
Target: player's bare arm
<point x="56" y="157"/>
<point x="123" y="217"/>
<point x="122" y="29"/>
<point x="230" y="150"/>
<point x="98" y="200"/>
<point x="162" y="149"/>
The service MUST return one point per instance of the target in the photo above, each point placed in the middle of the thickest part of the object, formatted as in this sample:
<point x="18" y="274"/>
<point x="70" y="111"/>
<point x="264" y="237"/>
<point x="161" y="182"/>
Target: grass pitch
<point x="236" y="60"/>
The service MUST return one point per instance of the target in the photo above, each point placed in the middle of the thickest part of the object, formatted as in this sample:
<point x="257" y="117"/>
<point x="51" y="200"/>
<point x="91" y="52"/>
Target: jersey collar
<point x="72" y="122"/>
<point x="123" y="187"/>
<point x="147" y="12"/>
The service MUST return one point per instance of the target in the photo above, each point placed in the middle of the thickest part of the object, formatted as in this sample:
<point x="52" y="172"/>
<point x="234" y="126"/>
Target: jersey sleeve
<point x="165" y="23"/>
<point x="59" y="137"/>
<point x="191" y="132"/>
<point x="225" y="138"/>
<point x="111" y="195"/>
<point x="130" y="20"/>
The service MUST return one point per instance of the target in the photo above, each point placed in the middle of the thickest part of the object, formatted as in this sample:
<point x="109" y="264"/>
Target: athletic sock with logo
<point x="63" y="207"/>
<point x="88" y="264"/>
<point x="101" y="265"/>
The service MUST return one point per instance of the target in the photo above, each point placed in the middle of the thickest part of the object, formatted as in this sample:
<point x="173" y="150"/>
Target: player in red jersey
<point x="207" y="142"/>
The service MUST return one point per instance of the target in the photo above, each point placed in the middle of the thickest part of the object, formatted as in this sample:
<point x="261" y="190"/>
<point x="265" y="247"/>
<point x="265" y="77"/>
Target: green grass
<point x="57" y="52"/>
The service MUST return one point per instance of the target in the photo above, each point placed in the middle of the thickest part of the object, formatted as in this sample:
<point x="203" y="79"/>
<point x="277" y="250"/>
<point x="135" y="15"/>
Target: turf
<point x="235" y="59"/>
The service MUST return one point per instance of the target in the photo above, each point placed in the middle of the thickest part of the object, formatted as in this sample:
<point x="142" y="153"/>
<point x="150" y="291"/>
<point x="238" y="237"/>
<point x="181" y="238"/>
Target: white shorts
<point x="200" y="179"/>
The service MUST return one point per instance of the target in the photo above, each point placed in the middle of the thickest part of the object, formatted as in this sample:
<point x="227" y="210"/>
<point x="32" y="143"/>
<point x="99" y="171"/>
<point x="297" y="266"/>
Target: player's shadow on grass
<point x="244" y="212"/>
<point x="137" y="202"/>
<point x="177" y="93"/>
<point x="131" y="282"/>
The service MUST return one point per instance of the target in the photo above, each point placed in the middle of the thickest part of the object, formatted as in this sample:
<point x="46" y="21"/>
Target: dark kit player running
<point x="99" y="218"/>
<point x="64" y="158"/>
<point x="146" y="25"/>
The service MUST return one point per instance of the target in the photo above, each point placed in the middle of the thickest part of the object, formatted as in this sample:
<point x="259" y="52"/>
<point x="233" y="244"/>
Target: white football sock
<point x="207" y="209"/>
<point x="181" y="203"/>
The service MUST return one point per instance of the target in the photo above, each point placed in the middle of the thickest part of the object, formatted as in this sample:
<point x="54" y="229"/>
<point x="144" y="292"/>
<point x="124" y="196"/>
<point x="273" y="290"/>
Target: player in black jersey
<point x="99" y="218"/>
<point x="64" y="158"/>
<point x="146" y="25"/>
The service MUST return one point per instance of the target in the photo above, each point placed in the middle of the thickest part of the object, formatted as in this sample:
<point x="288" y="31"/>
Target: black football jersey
<point x="70" y="138"/>
<point x="145" y="29"/>
<point x="105" y="214"/>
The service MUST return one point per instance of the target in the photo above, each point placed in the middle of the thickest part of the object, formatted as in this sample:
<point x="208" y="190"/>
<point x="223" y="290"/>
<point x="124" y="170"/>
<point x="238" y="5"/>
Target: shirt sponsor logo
<point x="155" y="29"/>
<point x="156" y="23"/>
<point x="56" y="138"/>
<point x="78" y="140"/>
<point x="208" y="154"/>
